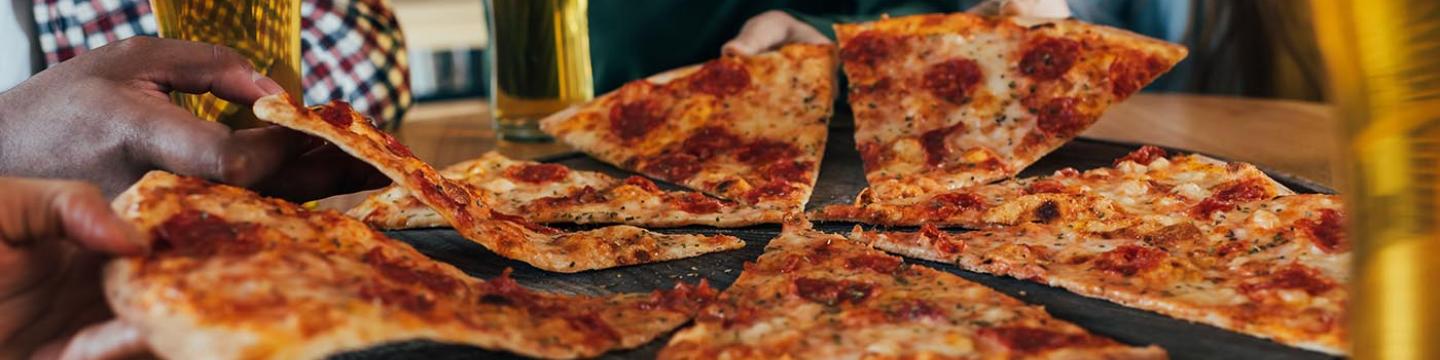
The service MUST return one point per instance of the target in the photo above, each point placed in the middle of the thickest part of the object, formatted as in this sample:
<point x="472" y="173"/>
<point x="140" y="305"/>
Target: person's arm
<point x="775" y="28"/>
<point x="105" y="117"/>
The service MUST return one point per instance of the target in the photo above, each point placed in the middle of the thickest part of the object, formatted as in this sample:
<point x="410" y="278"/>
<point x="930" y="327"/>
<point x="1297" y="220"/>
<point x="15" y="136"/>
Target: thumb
<point x="769" y="30"/>
<point x="39" y="210"/>
<point x="179" y="142"/>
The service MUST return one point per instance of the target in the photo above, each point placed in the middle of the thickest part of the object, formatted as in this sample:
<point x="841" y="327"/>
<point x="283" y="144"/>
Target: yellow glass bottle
<point x="1383" y="58"/>
<point x="265" y="31"/>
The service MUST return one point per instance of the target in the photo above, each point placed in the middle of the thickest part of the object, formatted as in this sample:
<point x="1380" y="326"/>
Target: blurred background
<point x="1252" y="48"/>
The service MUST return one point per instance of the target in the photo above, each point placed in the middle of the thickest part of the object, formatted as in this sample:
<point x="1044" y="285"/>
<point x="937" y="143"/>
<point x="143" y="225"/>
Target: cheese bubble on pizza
<point x="813" y="295"/>
<point x="554" y="193"/>
<point x="946" y="101"/>
<point x="750" y="129"/>
<point x="234" y="275"/>
<point x="1275" y="268"/>
<point x="507" y="235"/>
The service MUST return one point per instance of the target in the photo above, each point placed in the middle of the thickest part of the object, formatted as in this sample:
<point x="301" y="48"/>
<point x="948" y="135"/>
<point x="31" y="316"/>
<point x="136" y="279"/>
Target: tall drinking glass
<point x="539" y="63"/>
<point x="265" y="31"/>
<point x="1384" y="64"/>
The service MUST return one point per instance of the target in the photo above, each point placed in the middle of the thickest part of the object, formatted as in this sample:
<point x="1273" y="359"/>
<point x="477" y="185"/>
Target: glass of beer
<point x="265" y="31"/>
<point x="1383" y="58"/>
<point x="539" y="63"/>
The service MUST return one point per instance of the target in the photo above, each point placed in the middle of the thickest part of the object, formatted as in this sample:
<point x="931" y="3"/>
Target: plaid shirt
<point x="351" y="50"/>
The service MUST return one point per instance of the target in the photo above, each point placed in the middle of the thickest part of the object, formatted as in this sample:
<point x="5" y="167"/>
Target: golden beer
<point x="539" y="63"/>
<point x="265" y="31"/>
<point x="1383" y="58"/>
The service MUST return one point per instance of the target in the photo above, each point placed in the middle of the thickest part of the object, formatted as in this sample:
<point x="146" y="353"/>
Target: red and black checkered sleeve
<point x="351" y="50"/>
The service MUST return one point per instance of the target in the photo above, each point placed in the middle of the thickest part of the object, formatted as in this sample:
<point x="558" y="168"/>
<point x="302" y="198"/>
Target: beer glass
<point x="539" y="60"/>
<point x="265" y="31"/>
<point x="1383" y="58"/>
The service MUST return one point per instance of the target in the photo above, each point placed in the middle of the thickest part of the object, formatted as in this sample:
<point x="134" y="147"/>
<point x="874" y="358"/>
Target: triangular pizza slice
<point x="814" y="295"/>
<point x="506" y="235"/>
<point x="234" y="275"/>
<point x="1274" y="268"/>
<point x="1141" y="184"/>
<point x="553" y="193"/>
<point x="745" y="128"/>
<point x="948" y="101"/>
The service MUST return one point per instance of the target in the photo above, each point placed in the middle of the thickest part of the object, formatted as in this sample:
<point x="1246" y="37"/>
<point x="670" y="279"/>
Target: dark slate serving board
<point x="841" y="177"/>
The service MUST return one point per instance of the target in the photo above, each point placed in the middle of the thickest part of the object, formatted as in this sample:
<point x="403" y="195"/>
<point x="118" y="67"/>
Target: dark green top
<point x="630" y="39"/>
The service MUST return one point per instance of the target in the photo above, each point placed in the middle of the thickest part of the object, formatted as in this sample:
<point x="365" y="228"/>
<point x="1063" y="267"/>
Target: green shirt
<point x="630" y="39"/>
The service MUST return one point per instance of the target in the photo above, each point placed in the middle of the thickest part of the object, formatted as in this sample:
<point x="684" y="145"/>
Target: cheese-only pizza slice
<point x="1274" y="268"/>
<point x="234" y="275"/>
<point x="1143" y="184"/>
<point x="813" y="295"/>
<point x="506" y="235"/>
<point x="745" y="128"/>
<point x="945" y="101"/>
<point x="553" y="193"/>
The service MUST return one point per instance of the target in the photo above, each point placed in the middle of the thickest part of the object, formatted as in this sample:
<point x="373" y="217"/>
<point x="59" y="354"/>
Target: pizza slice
<point x="945" y="101"/>
<point x="234" y="275"/>
<point x="1141" y="184"/>
<point x="1273" y="268"/>
<point x="745" y="128"/>
<point x="509" y="236"/>
<point x="553" y="193"/>
<point x="813" y="295"/>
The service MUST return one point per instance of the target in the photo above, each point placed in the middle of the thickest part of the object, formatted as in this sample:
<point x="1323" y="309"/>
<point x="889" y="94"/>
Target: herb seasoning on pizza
<point x="943" y="102"/>
<point x="745" y="128"/>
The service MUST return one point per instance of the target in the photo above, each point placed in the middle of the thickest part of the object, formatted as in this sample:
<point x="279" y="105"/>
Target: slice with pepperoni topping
<point x="945" y="101"/>
<point x="748" y="129"/>
<point x="813" y="295"/>
<point x="553" y="193"/>
<point x="1273" y="268"/>
<point x="469" y="212"/>
<point x="235" y="275"/>
<point x="1142" y="184"/>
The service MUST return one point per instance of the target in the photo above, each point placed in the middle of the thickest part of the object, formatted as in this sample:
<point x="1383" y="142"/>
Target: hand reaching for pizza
<point x="54" y="235"/>
<point x="105" y="117"/>
<point x="774" y="28"/>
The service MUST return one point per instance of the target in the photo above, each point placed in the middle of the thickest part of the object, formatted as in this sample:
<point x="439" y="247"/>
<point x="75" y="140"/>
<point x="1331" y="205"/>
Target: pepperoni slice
<point x="947" y="204"/>
<point x="696" y="203"/>
<point x="767" y="151"/>
<point x="937" y="149"/>
<point x="868" y="48"/>
<point x="1028" y="340"/>
<point x="1049" y="58"/>
<point x="1129" y="73"/>
<point x="1327" y="232"/>
<point x="1129" y="260"/>
<point x="720" y="78"/>
<point x="1060" y="117"/>
<point x="1293" y="277"/>
<point x="632" y="120"/>
<point x="871" y="154"/>
<point x="537" y="173"/>
<point x="771" y="190"/>
<point x="833" y="292"/>
<point x="1143" y="156"/>
<point x="522" y="222"/>
<point x="196" y="233"/>
<point x="1228" y="197"/>
<point x="337" y="114"/>
<point x="402" y="274"/>
<point x="673" y="167"/>
<point x="395" y="146"/>
<point x="642" y="183"/>
<point x="953" y="80"/>
<point x="878" y="263"/>
<point x="709" y="141"/>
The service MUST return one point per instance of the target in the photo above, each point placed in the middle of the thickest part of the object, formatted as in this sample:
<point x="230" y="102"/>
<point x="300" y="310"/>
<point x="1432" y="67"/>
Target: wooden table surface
<point x="1294" y="137"/>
